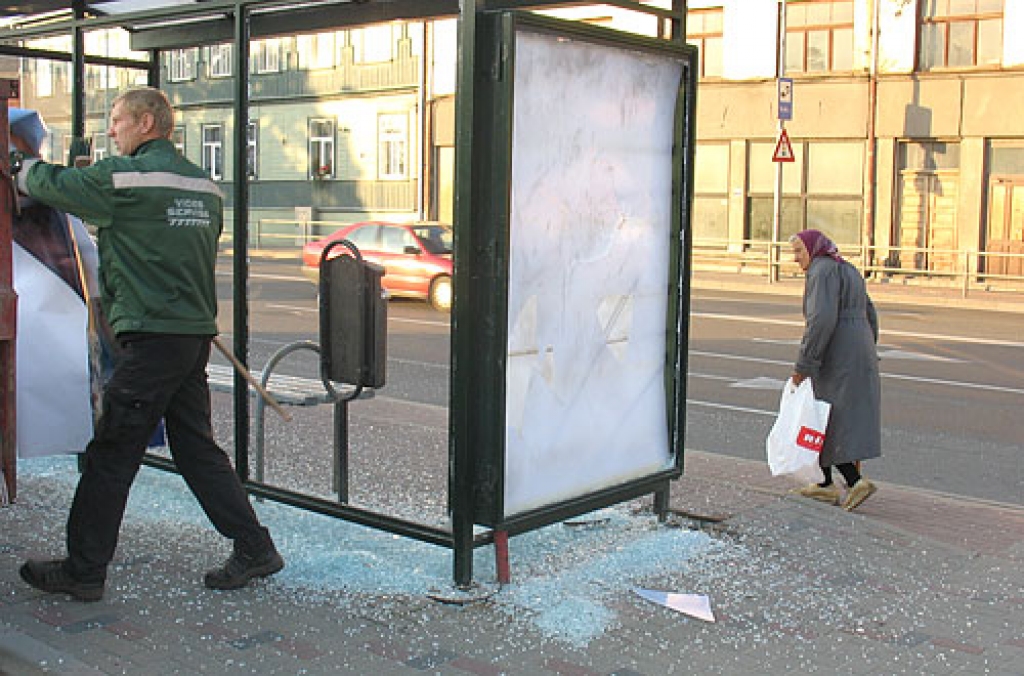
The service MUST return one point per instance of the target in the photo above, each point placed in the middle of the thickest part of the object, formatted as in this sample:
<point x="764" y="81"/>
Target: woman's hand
<point x="797" y="378"/>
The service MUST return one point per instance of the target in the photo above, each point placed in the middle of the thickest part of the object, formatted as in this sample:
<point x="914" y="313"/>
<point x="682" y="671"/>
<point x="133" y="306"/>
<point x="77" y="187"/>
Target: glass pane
<point x="962" y="7"/>
<point x="713" y="22"/>
<point x="933" y="46"/>
<point x="794" y="52"/>
<point x="842" y="12"/>
<point x="761" y="169"/>
<point x="819" y="14"/>
<point x="817" y="51"/>
<point x="1005" y="160"/>
<point x="839" y="219"/>
<point x="710" y="221"/>
<point x="961" y="44"/>
<point x="986" y="6"/>
<point x="796" y="15"/>
<point x="842" y="49"/>
<point x="990" y="42"/>
<point x="932" y="8"/>
<point x="761" y="215"/>
<point x="712" y="168"/>
<point x="835" y="168"/>
<point x="713" y="57"/>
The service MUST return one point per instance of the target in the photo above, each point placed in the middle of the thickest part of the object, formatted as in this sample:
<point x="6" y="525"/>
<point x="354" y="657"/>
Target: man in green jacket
<point x="158" y="218"/>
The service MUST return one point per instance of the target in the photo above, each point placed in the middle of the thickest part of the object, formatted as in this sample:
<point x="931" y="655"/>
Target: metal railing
<point x="963" y="269"/>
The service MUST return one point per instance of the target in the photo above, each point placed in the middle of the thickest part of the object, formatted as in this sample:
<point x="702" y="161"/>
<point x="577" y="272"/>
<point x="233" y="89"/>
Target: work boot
<point x="829" y="494"/>
<point x="54" y="578"/>
<point x="242" y="566"/>
<point x="858" y="493"/>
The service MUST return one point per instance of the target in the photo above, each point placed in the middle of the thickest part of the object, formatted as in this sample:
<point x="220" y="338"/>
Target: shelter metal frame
<point x="239" y="21"/>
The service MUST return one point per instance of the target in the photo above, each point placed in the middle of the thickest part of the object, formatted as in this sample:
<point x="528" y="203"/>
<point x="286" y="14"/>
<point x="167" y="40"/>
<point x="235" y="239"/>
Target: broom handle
<point x="267" y="397"/>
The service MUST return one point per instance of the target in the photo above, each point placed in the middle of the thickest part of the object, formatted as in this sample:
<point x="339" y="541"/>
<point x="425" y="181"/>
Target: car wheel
<point x="441" y="293"/>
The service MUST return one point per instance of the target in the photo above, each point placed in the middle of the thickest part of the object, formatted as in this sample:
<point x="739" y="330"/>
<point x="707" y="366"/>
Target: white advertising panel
<point x="589" y="268"/>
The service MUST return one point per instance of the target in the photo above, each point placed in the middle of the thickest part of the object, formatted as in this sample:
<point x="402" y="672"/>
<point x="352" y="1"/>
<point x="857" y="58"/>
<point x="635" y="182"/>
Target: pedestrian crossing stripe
<point x="783" y="149"/>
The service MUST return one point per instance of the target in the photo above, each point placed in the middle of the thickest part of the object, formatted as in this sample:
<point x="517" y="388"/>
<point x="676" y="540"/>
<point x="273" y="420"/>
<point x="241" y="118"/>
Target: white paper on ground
<point x="694" y="605"/>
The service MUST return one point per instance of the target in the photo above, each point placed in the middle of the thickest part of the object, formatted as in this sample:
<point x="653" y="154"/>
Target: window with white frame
<point x="704" y="29"/>
<point x="178" y="139"/>
<point x="321" y="148"/>
<point x="373" y="44"/>
<point x="819" y="36"/>
<point x="213" y="150"/>
<point x="44" y="78"/>
<point x="252" y="149"/>
<point x="181" y="64"/>
<point x="220" y="60"/>
<point x="315" y="51"/>
<point x="100" y="146"/>
<point x="961" y="33"/>
<point x="265" y="56"/>
<point x="393" y="139"/>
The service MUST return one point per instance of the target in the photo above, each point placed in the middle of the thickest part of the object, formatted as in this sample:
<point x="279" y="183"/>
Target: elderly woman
<point x="838" y="353"/>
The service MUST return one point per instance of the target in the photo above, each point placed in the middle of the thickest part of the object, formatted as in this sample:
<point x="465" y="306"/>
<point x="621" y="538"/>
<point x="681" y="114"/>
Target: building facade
<point x="906" y="133"/>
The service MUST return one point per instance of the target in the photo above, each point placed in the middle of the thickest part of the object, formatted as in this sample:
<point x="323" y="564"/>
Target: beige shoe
<point x="829" y="494"/>
<point x="861" y="491"/>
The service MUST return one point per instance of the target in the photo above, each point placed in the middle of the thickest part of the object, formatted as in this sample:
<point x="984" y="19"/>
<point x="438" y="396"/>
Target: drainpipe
<point x="868" y="235"/>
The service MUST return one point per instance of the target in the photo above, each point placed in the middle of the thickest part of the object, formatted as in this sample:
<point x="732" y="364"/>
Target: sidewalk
<point x="881" y="291"/>
<point x="912" y="583"/>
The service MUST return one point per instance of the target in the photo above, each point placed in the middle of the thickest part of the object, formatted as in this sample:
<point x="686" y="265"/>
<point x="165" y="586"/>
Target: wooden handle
<point x="252" y="381"/>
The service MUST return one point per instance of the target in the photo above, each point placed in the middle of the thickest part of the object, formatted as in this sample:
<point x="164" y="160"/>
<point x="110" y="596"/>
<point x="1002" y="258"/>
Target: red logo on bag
<point x="810" y="439"/>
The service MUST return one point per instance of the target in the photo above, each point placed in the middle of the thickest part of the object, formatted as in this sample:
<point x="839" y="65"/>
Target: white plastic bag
<point x="794" y="444"/>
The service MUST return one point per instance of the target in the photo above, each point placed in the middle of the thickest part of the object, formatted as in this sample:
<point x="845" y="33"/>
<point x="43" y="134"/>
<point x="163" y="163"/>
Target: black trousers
<point x="156" y="376"/>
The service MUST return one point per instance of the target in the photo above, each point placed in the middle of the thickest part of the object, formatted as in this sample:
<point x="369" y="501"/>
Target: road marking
<point x="760" y="383"/>
<point x="886" y="332"/>
<point x="918" y="356"/>
<point x="400" y="320"/>
<point x="894" y="376"/>
<point x="739" y="409"/>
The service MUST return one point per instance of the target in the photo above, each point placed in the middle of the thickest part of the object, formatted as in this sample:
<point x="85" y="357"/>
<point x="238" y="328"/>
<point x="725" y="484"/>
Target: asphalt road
<point x="952" y="380"/>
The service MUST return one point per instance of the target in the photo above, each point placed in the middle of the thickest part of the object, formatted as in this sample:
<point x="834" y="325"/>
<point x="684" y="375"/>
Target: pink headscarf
<point x="819" y="245"/>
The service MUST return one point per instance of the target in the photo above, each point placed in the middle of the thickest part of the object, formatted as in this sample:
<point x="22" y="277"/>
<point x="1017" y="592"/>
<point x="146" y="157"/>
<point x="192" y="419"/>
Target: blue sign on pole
<point x="785" y="98"/>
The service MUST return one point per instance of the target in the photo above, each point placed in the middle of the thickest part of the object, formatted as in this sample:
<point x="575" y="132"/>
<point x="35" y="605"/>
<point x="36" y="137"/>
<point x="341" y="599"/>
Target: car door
<point x="403" y="272"/>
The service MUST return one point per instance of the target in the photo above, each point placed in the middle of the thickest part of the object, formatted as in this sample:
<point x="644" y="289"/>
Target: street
<point x="952" y="379"/>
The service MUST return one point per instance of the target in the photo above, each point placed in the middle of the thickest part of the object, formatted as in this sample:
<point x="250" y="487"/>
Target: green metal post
<point x="241" y="239"/>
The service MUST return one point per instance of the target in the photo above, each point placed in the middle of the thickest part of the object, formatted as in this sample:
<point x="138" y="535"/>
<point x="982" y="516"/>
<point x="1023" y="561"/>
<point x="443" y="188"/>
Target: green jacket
<point x="158" y="218"/>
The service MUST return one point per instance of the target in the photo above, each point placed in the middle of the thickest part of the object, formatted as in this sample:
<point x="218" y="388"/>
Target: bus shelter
<point x="574" y="147"/>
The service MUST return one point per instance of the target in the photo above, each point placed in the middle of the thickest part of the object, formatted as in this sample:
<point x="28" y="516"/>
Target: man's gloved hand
<point x="17" y="161"/>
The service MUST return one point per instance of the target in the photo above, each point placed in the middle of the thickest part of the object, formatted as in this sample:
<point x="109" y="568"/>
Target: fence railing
<point x="964" y="269"/>
<point x="960" y="268"/>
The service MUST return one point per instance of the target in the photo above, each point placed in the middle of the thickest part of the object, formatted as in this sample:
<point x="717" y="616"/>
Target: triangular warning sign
<point x="783" y="149"/>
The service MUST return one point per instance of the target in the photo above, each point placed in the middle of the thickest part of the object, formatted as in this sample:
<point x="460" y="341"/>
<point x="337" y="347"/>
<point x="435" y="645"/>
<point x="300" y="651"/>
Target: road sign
<point x="783" y="149"/>
<point x="785" y="107"/>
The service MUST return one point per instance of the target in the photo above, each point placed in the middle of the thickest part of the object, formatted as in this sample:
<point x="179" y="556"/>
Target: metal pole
<point x="8" y="314"/>
<point x="868" y="234"/>
<point x="241" y="243"/>
<point x="773" y="251"/>
<point x="462" y="459"/>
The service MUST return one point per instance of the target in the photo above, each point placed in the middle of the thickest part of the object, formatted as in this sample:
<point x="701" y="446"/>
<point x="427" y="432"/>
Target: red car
<point x="417" y="257"/>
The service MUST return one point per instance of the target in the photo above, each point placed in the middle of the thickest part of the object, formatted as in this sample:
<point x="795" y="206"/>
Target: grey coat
<point x="838" y="353"/>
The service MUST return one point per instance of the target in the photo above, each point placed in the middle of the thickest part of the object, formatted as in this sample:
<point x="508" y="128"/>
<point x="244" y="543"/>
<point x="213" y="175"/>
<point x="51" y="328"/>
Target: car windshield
<point x="436" y="238"/>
